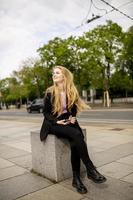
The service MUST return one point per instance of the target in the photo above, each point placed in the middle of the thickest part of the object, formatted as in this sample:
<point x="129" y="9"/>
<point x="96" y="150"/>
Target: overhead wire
<point x="117" y="8"/>
<point x="129" y="2"/>
<point x="97" y="16"/>
<point x="98" y="8"/>
<point x="87" y="13"/>
<point x="114" y="8"/>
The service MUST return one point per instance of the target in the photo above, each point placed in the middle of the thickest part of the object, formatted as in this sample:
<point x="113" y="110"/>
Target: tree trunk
<point x="106" y="99"/>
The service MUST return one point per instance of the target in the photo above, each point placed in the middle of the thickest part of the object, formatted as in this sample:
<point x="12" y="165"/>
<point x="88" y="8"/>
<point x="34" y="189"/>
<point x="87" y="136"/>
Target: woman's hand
<point x="72" y="119"/>
<point x="63" y="122"/>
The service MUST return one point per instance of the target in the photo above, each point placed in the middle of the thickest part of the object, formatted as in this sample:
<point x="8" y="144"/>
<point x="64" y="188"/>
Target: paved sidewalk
<point x="111" y="150"/>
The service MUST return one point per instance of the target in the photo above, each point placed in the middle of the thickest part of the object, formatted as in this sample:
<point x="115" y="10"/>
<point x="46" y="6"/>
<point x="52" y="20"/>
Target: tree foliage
<point x="101" y="58"/>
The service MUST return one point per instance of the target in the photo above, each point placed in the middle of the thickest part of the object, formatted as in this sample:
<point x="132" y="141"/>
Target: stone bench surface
<point x="51" y="158"/>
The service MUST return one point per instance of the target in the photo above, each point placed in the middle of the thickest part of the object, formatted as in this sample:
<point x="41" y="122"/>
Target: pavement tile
<point x="108" y="140"/>
<point x="14" y="131"/>
<point x="127" y="160"/>
<point x="11" y="172"/>
<point x="14" y="134"/>
<point x="18" y="186"/>
<point x="21" y="138"/>
<point x="102" y="145"/>
<point x="112" y="189"/>
<point x="128" y="131"/>
<point x="11" y="152"/>
<point x="96" y="143"/>
<point x="113" y="154"/>
<point x="23" y="161"/>
<point x="26" y="139"/>
<point x="5" y="163"/>
<point x="4" y="139"/>
<point x="52" y="193"/>
<point x="106" y="146"/>
<point x="19" y="145"/>
<point x="117" y="138"/>
<point x="128" y="178"/>
<point x="116" y="170"/>
<point x="93" y="150"/>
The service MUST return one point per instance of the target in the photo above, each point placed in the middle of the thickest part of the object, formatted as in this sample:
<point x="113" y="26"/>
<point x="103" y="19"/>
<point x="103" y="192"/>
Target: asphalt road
<point x="121" y="116"/>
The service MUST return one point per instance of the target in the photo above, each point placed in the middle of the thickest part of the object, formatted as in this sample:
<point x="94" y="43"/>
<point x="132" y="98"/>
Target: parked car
<point x="36" y="105"/>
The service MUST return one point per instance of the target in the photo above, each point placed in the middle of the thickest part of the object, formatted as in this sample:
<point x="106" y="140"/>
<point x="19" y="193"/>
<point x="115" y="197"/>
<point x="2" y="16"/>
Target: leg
<point x="92" y="173"/>
<point x="75" y="161"/>
<point x="75" y="138"/>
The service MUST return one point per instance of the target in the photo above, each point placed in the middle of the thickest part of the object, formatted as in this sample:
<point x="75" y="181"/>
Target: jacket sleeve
<point x="47" y="109"/>
<point x="74" y="110"/>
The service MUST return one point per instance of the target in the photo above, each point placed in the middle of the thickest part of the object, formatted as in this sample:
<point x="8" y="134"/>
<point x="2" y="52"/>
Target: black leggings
<point x="77" y="144"/>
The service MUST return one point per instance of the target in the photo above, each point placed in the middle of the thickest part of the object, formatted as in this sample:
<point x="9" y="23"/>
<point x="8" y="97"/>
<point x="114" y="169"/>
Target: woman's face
<point x="58" y="76"/>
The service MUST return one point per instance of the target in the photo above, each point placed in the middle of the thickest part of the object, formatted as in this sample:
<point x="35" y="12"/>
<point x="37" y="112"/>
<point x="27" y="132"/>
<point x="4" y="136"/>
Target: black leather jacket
<point x="50" y="119"/>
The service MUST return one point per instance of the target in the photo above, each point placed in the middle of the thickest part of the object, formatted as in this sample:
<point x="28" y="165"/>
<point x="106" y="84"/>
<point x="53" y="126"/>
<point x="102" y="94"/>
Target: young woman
<point x="61" y="105"/>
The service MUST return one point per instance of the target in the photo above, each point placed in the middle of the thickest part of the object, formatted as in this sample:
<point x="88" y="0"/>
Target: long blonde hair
<point x="71" y="93"/>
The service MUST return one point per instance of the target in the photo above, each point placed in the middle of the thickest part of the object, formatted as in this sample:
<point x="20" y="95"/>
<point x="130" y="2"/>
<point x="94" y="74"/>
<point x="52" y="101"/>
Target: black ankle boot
<point x="77" y="183"/>
<point x="95" y="176"/>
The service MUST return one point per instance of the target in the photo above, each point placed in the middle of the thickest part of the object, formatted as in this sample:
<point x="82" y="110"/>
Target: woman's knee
<point x="78" y="135"/>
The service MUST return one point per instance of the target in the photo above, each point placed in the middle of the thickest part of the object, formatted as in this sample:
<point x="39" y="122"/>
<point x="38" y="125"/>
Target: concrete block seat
<point x="51" y="158"/>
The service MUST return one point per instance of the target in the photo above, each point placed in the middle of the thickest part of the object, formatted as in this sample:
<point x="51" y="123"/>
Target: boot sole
<point x="95" y="181"/>
<point x="75" y="186"/>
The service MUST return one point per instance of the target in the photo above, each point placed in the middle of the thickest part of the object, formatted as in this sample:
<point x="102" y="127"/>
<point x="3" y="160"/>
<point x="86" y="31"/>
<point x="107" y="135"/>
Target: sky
<point x="26" y="25"/>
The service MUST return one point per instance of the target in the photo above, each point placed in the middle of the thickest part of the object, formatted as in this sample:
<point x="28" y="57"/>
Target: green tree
<point x="33" y="79"/>
<point x="128" y="51"/>
<point x="59" y="52"/>
<point x="103" y="46"/>
<point x="120" y="81"/>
